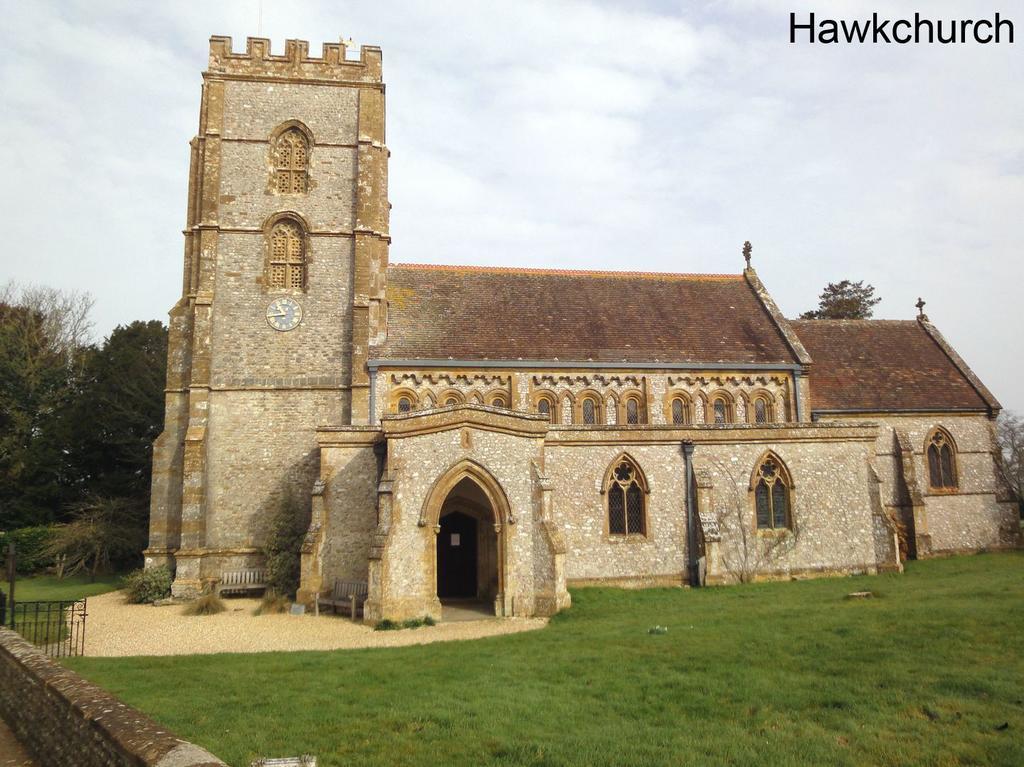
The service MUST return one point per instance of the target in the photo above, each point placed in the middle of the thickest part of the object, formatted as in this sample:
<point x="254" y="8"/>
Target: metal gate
<point x="57" y="628"/>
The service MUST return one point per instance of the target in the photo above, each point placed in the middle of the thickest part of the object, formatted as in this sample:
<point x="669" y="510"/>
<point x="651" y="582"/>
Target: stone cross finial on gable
<point x="920" y="309"/>
<point x="747" y="249"/>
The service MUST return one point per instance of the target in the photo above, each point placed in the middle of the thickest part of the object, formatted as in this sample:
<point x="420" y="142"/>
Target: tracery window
<point x="772" y="489"/>
<point x="287" y="256"/>
<point x="626" y="499"/>
<point x="942" y="474"/>
<point x="589" y="411"/>
<point x="291" y="156"/>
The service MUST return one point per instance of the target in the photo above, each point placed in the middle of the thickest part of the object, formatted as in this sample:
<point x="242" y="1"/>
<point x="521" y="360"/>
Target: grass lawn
<point x="928" y="673"/>
<point x="48" y="587"/>
<point x="43" y="628"/>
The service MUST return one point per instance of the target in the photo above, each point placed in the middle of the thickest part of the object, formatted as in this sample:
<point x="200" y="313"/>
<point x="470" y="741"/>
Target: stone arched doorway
<point x="468" y="509"/>
<point x="467" y="546"/>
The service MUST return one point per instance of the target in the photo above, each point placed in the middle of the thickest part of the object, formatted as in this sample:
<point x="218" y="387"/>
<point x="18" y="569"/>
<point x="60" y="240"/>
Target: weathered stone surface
<point x="68" y="722"/>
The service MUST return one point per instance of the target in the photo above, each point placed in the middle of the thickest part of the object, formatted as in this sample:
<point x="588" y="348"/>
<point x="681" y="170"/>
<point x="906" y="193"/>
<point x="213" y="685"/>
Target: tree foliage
<point x="120" y="411"/>
<point x="77" y="423"/>
<point x="43" y="334"/>
<point x="844" y="300"/>
<point x="104" y="534"/>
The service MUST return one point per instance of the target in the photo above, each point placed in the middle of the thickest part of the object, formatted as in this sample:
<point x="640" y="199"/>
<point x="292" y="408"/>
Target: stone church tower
<point x="286" y="247"/>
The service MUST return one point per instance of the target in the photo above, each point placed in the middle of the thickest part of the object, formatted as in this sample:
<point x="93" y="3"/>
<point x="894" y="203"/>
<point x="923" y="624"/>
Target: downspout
<point x="372" y="420"/>
<point x="796" y="396"/>
<point x="692" y="573"/>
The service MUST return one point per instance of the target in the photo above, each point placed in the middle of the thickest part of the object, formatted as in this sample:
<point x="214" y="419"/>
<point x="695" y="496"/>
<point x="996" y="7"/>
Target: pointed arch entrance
<point x="468" y="513"/>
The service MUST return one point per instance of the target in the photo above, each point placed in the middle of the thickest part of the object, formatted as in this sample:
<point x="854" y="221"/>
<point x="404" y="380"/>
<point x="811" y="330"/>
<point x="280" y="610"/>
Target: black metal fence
<point x="57" y="628"/>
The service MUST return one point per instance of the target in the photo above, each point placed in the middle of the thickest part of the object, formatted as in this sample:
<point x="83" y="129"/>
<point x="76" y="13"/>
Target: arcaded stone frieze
<point x="572" y="397"/>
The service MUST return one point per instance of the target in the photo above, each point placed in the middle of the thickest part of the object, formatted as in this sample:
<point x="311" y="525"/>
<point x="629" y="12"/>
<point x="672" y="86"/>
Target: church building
<point x="501" y="434"/>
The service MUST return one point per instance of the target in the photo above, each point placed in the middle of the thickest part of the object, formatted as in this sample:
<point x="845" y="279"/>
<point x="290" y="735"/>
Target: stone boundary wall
<point x="65" y="721"/>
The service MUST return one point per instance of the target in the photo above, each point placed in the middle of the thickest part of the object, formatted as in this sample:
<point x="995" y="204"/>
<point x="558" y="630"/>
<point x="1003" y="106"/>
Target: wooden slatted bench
<point x="241" y="581"/>
<point x="350" y="595"/>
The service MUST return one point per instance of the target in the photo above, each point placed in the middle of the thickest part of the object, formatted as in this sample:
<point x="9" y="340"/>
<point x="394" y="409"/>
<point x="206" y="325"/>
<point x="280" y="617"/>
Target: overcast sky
<point x="654" y="136"/>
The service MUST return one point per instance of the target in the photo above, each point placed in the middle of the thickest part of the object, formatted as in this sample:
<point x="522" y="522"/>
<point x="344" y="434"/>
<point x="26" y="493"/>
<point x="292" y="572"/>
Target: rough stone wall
<point x="580" y="511"/>
<point x="263" y="448"/>
<point x="972" y="518"/>
<point x="68" y="722"/>
<point x="834" y="525"/>
<point x="350" y="499"/>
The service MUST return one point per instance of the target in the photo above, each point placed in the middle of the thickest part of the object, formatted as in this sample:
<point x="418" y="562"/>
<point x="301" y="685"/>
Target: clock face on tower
<point x="284" y="314"/>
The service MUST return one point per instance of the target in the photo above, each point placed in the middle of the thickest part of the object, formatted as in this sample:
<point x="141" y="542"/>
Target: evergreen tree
<point x="844" y="300"/>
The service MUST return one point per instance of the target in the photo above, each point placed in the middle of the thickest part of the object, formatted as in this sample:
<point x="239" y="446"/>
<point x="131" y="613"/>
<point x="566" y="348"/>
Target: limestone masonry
<point x="497" y="435"/>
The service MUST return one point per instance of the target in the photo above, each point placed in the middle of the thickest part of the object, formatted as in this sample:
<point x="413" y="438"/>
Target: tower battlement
<point x="296" y="63"/>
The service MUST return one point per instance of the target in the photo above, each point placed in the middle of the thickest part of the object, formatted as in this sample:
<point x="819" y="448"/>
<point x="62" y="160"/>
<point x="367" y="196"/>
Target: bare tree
<point x="1010" y="435"/>
<point x="745" y="553"/>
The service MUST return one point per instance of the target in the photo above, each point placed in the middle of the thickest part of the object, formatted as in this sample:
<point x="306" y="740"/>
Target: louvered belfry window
<point x="291" y="156"/>
<point x="287" y="256"/>
<point x="625" y="501"/>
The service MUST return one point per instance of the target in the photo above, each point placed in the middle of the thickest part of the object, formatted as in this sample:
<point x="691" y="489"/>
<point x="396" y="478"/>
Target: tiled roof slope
<point x="884" y="365"/>
<point x="476" y="313"/>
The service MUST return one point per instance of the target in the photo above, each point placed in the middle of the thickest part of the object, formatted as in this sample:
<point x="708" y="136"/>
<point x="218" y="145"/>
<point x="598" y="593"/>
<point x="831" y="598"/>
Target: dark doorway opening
<point x="457" y="557"/>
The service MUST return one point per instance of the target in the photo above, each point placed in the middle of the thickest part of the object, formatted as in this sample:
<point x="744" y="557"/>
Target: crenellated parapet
<point x="296" y="63"/>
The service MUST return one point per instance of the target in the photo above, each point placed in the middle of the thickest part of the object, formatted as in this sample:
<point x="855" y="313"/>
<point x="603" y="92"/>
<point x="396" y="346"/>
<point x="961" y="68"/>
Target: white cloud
<point x="570" y="134"/>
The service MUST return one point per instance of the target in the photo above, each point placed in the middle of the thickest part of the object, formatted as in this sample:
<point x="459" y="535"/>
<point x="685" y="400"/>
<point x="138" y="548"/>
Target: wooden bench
<point x="241" y="581"/>
<point x="350" y="595"/>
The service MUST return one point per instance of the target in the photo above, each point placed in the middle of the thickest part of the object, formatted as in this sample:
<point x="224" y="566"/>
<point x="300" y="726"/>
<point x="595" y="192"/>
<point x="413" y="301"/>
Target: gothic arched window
<point x="589" y="411"/>
<point x="772" y="494"/>
<point x="287" y="255"/>
<point x="626" y="489"/>
<point x="291" y="158"/>
<point x="941" y="453"/>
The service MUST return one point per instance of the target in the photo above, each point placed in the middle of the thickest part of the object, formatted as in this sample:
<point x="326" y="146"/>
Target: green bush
<point x="149" y="585"/>
<point x="30" y="544"/>
<point x="283" y="550"/>
<point x="208" y="604"/>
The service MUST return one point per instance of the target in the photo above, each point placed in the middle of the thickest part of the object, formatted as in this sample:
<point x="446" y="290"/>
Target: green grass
<point x="48" y="587"/>
<point x="769" y="674"/>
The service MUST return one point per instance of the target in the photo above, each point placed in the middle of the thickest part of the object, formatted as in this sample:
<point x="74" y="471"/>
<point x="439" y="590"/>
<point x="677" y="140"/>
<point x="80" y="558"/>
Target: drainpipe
<point x="692" y="574"/>
<point x="796" y="396"/>
<point x="372" y="420"/>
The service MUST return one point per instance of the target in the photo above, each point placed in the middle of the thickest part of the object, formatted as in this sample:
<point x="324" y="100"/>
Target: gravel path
<point x="114" y="628"/>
